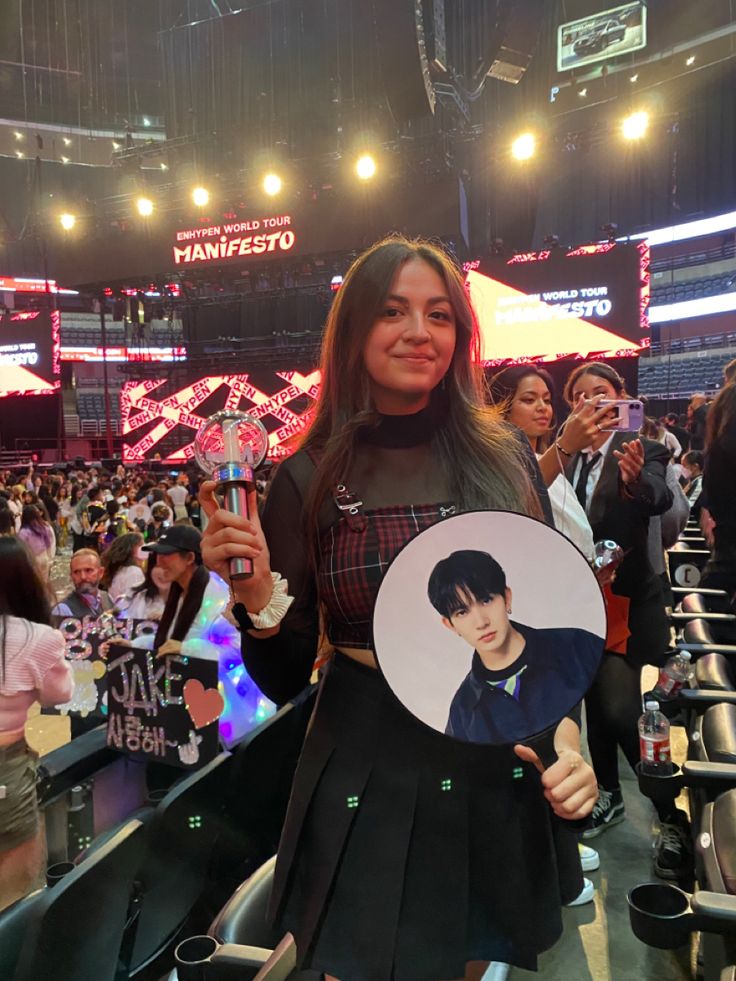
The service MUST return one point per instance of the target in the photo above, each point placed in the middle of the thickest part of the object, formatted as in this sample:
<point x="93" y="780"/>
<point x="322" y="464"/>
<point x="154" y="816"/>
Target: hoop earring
<point x="508" y="609"/>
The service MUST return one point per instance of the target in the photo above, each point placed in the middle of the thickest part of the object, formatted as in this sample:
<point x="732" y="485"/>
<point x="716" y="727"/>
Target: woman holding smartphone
<point x="404" y="854"/>
<point x="620" y="481"/>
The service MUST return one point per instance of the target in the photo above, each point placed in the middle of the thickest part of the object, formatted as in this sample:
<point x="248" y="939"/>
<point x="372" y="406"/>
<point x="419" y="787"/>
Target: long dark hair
<point x="478" y="454"/>
<point x="601" y="370"/>
<point x="721" y="415"/>
<point x="189" y="608"/>
<point x="22" y="593"/>
<point x="505" y="384"/>
<point x="119" y="553"/>
<point x="32" y="518"/>
<point x="148" y="587"/>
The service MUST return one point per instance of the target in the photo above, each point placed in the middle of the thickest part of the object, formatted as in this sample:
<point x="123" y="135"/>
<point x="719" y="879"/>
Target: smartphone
<point x="629" y="415"/>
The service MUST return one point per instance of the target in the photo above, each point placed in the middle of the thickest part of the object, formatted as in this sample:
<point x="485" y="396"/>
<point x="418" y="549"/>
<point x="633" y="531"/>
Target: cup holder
<point x="660" y="789"/>
<point x="192" y="957"/>
<point x="55" y="873"/>
<point x="660" y="915"/>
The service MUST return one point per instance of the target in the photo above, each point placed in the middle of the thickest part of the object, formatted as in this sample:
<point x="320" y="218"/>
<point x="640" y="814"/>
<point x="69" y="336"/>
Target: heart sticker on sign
<point x="205" y="705"/>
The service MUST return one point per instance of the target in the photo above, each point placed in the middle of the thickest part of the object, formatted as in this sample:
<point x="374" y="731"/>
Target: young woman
<point x="194" y="623"/>
<point x="32" y="669"/>
<point x="621" y="482"/>
<point x="122" y="562"/>
<point x="147" y="600"/>
<point x="525" y="394"/>
<point x="381" y="873"/>
<point x="38" y="537"/>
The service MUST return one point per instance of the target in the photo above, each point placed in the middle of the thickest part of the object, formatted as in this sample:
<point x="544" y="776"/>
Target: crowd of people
<point x="404" y="433"/>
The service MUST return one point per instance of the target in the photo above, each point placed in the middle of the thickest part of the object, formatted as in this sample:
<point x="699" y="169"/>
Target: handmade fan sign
<point x="489" y="627"/>
<point x="164" y="709"/>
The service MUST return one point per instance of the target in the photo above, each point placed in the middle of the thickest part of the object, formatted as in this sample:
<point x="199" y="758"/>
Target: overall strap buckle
<point x="350" y="507"/>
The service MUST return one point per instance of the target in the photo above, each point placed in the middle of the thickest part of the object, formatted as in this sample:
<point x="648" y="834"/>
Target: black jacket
<point x="557" y="667"/>
<point x="622" y="514"/>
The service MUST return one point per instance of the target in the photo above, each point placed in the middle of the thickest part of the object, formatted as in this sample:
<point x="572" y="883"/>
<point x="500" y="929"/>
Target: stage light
<point x="582" y="93"/>
<point x="365" y="167"/>
<point x="65" y="160"/>
<point x="164" y="166"/>
<point x="200" y="196"/>
<point x="634" y="77"/>
<point x="690" y="61"/>
<point x="524" y="146"/>
<point x="272" y="184"/>
<point x="144" y="206"/>
<point x="67" y="141"/>
<point x="146" y="121"/>
<point x="67" y="221"/>
<point x="18" y="135"/>
<point x="19" y="154"/>
<point x="635" y="125"/>
<point x="115" y="145"/>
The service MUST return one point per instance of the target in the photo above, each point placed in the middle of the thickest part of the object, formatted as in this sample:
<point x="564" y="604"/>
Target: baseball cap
<point x="178" y="538"/>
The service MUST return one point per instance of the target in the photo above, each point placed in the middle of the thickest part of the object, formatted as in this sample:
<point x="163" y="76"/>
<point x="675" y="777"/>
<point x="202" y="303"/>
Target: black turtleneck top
<point x="393" y="465"/>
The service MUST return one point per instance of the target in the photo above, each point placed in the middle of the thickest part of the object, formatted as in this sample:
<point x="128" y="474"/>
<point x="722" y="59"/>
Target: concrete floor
<point x="598" y="944"/>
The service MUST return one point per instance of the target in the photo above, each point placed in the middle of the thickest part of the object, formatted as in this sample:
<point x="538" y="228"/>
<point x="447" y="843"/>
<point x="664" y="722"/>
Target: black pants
<point x="612" y="710"/>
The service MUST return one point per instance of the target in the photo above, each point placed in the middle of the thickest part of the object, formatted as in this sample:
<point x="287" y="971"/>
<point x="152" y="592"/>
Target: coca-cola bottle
<point x="654" y="742"/>
<point x="673" y="676"/>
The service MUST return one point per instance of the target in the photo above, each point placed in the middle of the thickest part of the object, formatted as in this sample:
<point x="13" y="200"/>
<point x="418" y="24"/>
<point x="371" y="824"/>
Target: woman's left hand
<point x="169" y="647"/>
<point x="569" y="784"/>
<point x="630" y="461"/>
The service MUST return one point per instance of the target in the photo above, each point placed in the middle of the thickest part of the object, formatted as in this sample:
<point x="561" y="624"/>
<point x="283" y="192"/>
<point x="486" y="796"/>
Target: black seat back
<point x="258" y="793"/>
<point x="179" y="842"/>
<point x="697" y="632"/>
<point x="75" y="929"/>
<point x="713" y="672"/>
<point x="13" y="927"/>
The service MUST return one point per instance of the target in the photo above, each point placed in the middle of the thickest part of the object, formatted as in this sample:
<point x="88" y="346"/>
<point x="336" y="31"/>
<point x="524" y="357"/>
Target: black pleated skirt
<point x="405" y="854"/>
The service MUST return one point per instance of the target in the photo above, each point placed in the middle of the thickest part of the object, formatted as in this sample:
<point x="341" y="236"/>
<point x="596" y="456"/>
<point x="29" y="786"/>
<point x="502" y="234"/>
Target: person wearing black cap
<point x="193" y="623"/>
<point x="179" y="557"/>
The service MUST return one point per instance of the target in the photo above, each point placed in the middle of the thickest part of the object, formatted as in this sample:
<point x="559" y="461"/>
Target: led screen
<point x="542" y="306"/>
<point x="160" y="418"/>
<point x="609" y="34"/>
<point x="29" y="352"/>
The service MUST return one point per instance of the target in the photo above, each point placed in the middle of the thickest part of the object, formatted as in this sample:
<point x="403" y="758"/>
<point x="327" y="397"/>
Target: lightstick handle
<point x="235" y="494"/>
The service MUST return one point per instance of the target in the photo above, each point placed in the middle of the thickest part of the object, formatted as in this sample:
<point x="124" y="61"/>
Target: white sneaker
<point x="585" y="896"/>
<point x="496" y="971"/>
<point x="589" y="858"/>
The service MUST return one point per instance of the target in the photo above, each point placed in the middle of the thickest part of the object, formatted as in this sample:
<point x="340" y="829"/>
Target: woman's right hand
<point x="583" y="425"/>
<point x="228" y="536"/>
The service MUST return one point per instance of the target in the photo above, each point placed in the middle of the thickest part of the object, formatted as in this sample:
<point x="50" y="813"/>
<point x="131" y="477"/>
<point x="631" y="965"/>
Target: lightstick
<point x="229" y="446"/>
<point x="607" y="553"/>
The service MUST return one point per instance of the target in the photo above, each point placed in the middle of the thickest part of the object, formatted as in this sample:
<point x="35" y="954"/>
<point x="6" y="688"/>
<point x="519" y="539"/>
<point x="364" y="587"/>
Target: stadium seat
<point x="174" y="871"/>
<point x="13" y="928"/>
<point x="75" y="928"/>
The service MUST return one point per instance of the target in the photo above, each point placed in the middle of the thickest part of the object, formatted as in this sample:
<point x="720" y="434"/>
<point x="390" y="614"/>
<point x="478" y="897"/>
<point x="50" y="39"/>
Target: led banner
<point x="613" y="32"/>
<point x="158" y="418"/>
<point x="264" y="236"/>
<point x="591" y="300"/>
<point x="29" y="352"/>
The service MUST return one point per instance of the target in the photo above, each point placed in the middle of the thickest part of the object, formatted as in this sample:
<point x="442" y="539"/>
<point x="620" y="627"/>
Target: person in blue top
<point x="522" y="680"/>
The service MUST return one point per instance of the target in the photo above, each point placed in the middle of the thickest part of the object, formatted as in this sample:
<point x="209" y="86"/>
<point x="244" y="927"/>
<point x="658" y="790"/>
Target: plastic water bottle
<point x="673" y="676"/>
<point x="654" y="742"/>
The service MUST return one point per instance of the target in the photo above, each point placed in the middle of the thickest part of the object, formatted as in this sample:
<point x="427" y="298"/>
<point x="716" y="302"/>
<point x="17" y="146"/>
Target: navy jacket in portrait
<point x="542" y="686"/>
